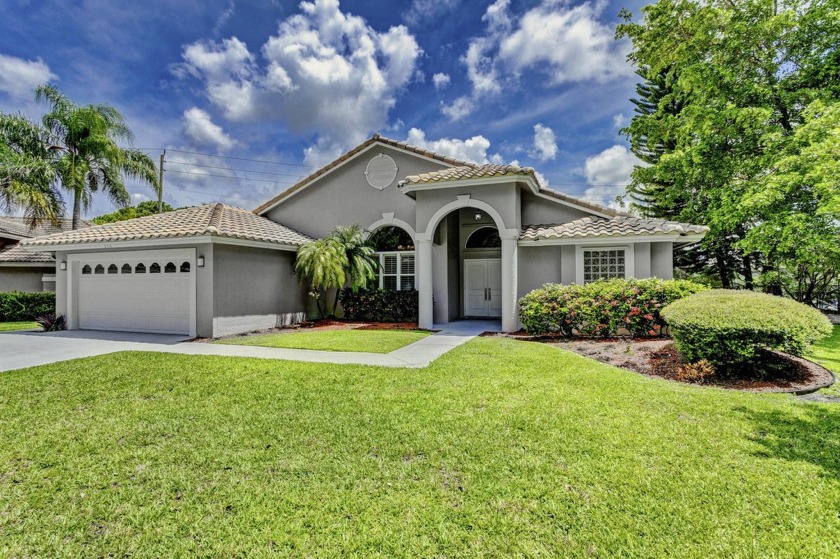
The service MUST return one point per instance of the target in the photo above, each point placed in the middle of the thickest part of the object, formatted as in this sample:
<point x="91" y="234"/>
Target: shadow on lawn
<point x="812" y="434"/>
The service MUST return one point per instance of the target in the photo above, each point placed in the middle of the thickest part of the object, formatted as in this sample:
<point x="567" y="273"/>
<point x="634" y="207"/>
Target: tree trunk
<point x="77" y="208"/>
<point x="748" y="275"/>
<point x="723" y="272"/>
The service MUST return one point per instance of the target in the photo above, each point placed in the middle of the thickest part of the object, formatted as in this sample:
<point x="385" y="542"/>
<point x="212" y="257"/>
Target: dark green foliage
<point x="51" y="322"/>
<point x="18" y="306"/>
<point x="380" y="305"/>
<point x="601" y="308"/>
<point x="149" y="207"/>
<point x="389" y="238"/>
<point x="727" y="327"/>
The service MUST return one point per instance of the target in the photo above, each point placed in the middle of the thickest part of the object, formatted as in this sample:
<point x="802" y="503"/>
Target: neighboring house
<point x="470" y="238"/>
<point x="22" y="270"/>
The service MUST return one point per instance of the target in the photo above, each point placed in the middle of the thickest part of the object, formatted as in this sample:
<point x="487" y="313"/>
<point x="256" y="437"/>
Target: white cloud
<point x="567" y="43"/>
<point x="608" y="174"/>
<point x="224" y="17"/>
<point x="201" y="129"/>
<point x="620" y="121"/>
<point x="545" y="143"/>
<point x="19" y="77"/>
<point x="325" y="72"/>
<point x="461" y="107"/>
<point x="472" y="149"/>
<point x="425" y="10"/>
<point x="440" y="80"/>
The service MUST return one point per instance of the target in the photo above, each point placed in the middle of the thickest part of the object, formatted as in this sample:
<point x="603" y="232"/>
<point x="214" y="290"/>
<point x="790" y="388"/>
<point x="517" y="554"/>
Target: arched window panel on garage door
<point x="140" y="269"/>
<point x="185" y="267"/>
<point x="154" y="268"/>
<point x="112" y="269"/>
<point x="86" y="269"/>
<point x="169" y="268"/>
<point x="100" y="269"/>
<point x="126" y="268"/>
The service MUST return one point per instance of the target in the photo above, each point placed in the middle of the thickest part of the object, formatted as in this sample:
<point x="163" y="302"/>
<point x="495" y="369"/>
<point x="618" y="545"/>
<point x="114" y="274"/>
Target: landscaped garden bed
<point x="659" y="358"/>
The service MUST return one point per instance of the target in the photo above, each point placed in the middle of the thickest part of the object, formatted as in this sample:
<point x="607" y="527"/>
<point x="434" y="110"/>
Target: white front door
<point x="483" y="287"/>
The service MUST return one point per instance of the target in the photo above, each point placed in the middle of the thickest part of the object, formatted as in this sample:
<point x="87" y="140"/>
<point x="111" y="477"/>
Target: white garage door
<point x="147" y="291"/>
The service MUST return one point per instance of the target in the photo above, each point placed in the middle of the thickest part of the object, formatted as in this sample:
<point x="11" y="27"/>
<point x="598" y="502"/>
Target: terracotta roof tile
<point x="14" y="253"/>
<point x="619" y="226"/>
<point x="209" y="219"/>
<point x="376" y="138"/>
<point x="464" y="172"/>
<point x="19" y="227"/>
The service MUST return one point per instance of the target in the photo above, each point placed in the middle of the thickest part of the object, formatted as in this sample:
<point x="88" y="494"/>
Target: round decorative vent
<point x="381" y="171"/>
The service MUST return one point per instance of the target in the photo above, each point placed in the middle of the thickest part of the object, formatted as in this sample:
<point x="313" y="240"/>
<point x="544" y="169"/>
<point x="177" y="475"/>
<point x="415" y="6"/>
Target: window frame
<point x="380" y="275"/>
<point x="629" y="259"/>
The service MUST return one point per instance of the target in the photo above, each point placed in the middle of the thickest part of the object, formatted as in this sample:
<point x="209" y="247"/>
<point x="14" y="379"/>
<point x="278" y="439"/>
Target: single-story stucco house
<point x="23" y="270"/>
<point x="471" y="238"/>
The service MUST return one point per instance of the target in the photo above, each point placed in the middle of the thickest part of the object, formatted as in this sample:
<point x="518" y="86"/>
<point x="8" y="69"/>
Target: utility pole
<point x="160" y="182"/>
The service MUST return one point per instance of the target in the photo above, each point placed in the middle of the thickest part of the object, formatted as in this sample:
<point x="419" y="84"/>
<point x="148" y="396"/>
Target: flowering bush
<point x="602" y="308"/>
<point x="380" y="305"/>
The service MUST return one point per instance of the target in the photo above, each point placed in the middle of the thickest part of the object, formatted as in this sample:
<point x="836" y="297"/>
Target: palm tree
<point x="90" y="160"/>
<point x="321" y="264"/>
<point x="344" y="257"/>
<point x="362" y="263"/>
<point x="28" y="176"/>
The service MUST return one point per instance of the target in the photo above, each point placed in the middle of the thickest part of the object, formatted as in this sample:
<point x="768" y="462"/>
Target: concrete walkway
<point x="28" y="349"/>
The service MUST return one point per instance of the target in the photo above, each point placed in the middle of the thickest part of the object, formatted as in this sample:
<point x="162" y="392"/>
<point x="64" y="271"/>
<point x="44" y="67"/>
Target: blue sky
<point x="294" y="84"/>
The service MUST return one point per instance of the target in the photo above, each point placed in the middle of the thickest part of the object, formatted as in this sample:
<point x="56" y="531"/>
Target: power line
<point x="229" y="177"/>
<point x="240" y="158"/>
<point x="231" y="169"/>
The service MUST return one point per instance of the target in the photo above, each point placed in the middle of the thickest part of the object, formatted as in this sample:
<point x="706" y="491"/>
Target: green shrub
<point x="380" y="305"/>
<point x="601" y="308"/>
<point x="19" y="306"/>
<point x="727" y="327"/>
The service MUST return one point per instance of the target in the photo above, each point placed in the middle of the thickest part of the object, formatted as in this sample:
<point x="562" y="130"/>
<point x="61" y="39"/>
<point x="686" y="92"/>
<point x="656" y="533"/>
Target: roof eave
<point x="675" y="237"/>
<point x="105" y="245"/>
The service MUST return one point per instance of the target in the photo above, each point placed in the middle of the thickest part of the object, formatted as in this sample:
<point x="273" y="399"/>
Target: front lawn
<point x="500" y="448"/>
<point x="370" y="341"/>
<point x="15" y="326"/>
<point x="827" y="353"/>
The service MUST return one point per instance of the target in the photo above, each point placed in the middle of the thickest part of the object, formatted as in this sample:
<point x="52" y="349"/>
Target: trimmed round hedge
<point x="601" y="308"/>
<point x="727" y="327"/>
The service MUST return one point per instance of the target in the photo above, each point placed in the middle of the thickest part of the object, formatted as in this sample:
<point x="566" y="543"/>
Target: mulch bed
<point x="657" y="357"/>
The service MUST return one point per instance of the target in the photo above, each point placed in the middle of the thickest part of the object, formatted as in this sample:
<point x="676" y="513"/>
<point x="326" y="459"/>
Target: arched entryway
<point x="466" y="264"/>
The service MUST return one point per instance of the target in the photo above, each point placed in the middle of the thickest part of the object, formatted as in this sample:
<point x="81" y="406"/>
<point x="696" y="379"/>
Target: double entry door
<point x="483" y="287"/>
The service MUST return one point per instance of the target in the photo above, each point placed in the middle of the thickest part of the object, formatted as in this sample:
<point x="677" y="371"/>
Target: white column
<point x="424" y="282"/>
<point x="510" y="261"/>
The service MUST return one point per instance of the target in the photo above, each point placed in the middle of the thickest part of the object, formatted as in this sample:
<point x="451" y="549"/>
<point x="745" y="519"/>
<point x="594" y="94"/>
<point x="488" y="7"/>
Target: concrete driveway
<point x="28" y="349"/>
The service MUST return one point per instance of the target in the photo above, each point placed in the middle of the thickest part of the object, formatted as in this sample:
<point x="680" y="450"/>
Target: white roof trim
<point x="601" y="239"/>
<point x="159" y="242"/>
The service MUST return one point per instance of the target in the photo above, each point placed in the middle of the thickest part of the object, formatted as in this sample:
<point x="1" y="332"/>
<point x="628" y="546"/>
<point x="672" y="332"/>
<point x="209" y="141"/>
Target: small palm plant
<point x="344" y="257"/>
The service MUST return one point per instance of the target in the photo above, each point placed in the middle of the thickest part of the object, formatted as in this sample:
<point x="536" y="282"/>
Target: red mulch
<point x="657" y="357"/>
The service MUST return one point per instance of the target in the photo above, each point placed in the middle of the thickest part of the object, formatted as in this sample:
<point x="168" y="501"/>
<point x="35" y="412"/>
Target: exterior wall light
<point x="200" y="261"/>
<point x="63" y="265"/>
<point x="478" y="216"/>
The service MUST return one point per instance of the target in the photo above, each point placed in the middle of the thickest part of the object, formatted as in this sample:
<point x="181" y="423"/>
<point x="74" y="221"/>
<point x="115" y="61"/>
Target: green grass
<point x="371" y="341"/>
<point x="500" y="448"/>
<point x="14" y="326"/>
<point x="827" y="353"/>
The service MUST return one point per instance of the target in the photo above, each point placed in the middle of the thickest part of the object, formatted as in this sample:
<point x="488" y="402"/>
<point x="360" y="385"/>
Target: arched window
<point x="86" y="269"/>
<point x="484" y="238"/>
<point x="390" y="238"/>
<point x="140" y="269"/>
<point x="396" y="258"/>
<point x="185" y="267"/>
<point x="112" y="269"/>
<point x="126" y="268"/>
<point x="100" y="269"/>
<point x="169" y="268"/>
<point x="154" y="268"/>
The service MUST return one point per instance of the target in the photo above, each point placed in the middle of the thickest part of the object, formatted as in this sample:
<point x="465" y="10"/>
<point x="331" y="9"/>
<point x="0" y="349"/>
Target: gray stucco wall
<point x="344" y="197"/>
<point x="662" y="260"/>
<point x="254" y="289"/>
<point x="502" y="197"/>
<point x="538" y="266"/>
<point x="15" y="278"/>
<point x="537" y="210"/>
